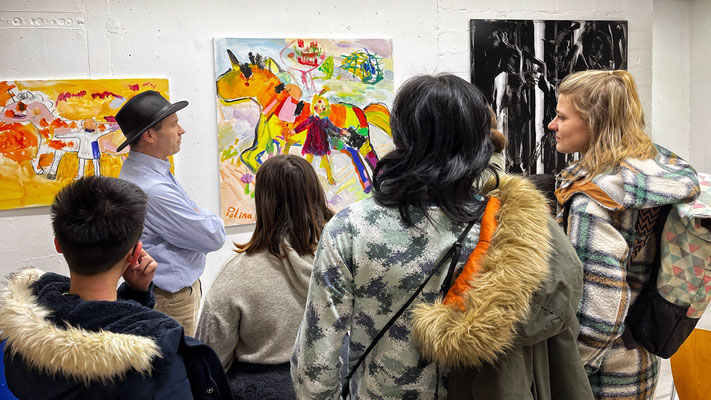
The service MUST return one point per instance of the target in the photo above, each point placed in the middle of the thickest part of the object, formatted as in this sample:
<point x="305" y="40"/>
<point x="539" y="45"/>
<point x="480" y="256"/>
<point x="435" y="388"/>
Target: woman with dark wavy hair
<point x="441" y="130"/>
<point x="375" y="254"/>
<point x="253" y="310"/>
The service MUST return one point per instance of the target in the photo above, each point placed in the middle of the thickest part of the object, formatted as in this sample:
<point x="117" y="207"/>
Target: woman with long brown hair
<point x="252" y="312"/>
<point x="620" y="172"/>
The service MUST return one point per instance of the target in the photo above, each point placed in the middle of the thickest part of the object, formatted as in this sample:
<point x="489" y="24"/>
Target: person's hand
<point x="138" y="276"/>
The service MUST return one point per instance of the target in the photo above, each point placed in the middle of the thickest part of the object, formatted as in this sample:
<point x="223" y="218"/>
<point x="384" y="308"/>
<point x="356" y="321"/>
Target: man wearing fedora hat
<point x="177" y="233"/>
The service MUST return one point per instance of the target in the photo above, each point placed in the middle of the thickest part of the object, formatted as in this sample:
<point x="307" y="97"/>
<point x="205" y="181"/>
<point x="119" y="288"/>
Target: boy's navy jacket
<point x="62" y="347"/>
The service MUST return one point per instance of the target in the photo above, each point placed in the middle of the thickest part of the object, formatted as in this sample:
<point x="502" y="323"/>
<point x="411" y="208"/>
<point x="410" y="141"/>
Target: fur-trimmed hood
<point x="61" y="348"/>
<point x="499" y="300"/>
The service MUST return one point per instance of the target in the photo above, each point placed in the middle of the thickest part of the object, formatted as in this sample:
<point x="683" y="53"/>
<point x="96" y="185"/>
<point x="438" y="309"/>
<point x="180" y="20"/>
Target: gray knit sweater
<point x="253" y="310"/>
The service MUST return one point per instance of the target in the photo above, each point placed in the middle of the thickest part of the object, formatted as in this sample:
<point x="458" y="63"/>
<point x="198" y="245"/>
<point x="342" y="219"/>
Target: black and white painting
<point x="518" y="65"/>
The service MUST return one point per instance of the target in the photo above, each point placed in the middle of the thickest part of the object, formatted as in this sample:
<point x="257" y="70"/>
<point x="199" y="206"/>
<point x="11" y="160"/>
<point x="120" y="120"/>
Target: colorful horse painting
<point x="284" y="117"/>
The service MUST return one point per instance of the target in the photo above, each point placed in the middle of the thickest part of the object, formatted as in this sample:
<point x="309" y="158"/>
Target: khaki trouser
<point x="182" y="305"/>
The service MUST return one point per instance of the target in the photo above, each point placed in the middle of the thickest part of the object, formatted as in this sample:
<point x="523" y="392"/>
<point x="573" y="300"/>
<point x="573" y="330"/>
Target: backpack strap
<point x="650" y="222"/>
<point x="453" y="252"/>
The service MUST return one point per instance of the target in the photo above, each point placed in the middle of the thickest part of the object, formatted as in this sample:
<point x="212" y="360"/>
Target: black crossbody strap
<point x="453" y="252"/>
<point x="456" y="249"/>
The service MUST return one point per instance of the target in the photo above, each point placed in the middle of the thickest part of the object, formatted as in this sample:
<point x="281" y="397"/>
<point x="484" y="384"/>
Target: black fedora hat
<point x="143" y="111"/>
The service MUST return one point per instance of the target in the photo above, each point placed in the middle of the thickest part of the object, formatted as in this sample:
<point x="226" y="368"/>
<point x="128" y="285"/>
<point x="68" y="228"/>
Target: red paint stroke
<point x="66" y="95"/>
<point x="105" y="94"/>
<point x="59" y="144"/>
<point x="73" y="125"/>
<point x="43" y="123"/>
<point x="58" y="123"/>
<point x="110" y="118"/>
<point x="308" y="55"/>
<point x="362" y="120"/>
<point x="149" y="84"/>
<point x="134" y="87"/>
<point x="308" y="59"/>
<point x="17" y="141"/>
<point x="45" y="133"/>
<point x="11" y="114"/>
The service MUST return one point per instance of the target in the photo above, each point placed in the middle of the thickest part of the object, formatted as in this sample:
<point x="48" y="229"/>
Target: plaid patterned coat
<point x="599" y="217"/>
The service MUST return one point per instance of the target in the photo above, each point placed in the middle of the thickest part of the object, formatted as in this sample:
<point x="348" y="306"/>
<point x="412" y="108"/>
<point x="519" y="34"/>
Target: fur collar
<point x="513" y="269"/>
<point x="74" y="353"/>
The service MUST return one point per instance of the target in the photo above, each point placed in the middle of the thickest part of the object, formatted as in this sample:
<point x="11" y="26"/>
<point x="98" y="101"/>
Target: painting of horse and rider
<point x="326" y="100"/>
<point x="55" y="131"/>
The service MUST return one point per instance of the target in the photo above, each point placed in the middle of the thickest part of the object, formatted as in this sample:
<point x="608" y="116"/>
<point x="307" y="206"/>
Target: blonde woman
<point x="620" y="172"/>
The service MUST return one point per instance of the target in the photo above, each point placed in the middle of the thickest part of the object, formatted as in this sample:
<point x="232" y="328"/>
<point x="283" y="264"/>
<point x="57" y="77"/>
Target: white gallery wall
<point x="680" y="99"/>
<point x="682" y="62"/>
<point x="670" y="98"/>
<point x="700" y="83"/>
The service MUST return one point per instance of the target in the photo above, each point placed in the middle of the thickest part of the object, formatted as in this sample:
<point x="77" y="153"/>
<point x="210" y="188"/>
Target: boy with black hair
<point x="80" y="337"/>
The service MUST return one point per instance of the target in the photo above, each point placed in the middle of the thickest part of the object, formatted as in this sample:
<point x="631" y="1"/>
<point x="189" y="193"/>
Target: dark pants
<point x="261" y="381"/>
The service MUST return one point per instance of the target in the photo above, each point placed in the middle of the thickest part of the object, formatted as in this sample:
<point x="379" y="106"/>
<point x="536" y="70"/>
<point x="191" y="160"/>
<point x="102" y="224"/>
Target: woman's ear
<point x="56" y="245"/>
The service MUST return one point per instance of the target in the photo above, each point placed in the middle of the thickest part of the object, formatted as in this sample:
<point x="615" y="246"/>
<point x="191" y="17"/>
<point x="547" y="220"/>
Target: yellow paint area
<point x="96" y="103"/>
<point x="74" y="105"/>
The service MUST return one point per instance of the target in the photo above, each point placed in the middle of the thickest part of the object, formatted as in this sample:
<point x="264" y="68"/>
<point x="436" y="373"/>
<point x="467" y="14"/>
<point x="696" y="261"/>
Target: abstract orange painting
<point x="55" y="131"/>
